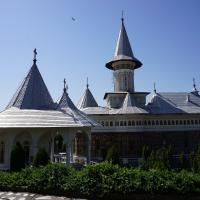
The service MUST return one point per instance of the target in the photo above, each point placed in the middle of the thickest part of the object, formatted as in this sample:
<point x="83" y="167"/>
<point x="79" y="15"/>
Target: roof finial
<point x="65" y="86"/>
<point x="34" y="58"/>
<point x="87" y="85"/>
<point x="122" y="16"/>
<point x="154" y="87"/>
<point x="194" y="85"/>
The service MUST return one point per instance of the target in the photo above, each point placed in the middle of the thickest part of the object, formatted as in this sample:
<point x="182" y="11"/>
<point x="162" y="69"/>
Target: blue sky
<point x="165" y="36"/>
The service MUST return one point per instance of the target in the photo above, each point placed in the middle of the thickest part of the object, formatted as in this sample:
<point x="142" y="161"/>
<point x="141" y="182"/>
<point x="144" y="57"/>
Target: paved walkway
<point x="30" y="196"/>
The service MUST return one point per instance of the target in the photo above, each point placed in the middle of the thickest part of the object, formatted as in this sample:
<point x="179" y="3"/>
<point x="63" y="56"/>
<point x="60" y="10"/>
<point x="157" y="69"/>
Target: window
<point x="184" y="122"/>
<point x="102" y="123"/>
<point x="173" y="122"/>
<point x="192" y="121"/>
<point x="157" y="122"/>
<point x="177" y="122"/>
<point x="121" y="123"/>
<point x="161" y="122"/>
<point x="111" y="123"/>
<point x="181" y="122"/>
<point x="106" y="123"/>
<point x="124" y="123"/>
<point x="145" y="123"/>
<point x="153" y="123"/>
<point x="116" y="123"/>
<point x="165" y="122"/>
<point x="133" y="123"/>
<point x="129" y="123"/>
<point x="188" y="122"/>
<point x="196" y="122"/>
<point x="2" y="152"/>
<point x="169" y="122"/>
<point x="149" y="122"/>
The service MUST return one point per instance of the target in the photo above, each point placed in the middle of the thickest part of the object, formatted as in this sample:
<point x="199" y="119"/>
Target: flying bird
<point x="73" y="19"/>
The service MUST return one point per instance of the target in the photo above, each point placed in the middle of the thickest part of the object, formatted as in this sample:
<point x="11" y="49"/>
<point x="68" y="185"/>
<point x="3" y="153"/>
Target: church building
<point x="130" y="122"/>
<point x="87" y="131"/>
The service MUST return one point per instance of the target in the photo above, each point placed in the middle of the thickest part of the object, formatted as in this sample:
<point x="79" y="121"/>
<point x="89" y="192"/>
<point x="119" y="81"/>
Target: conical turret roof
<point x="123" y="50"/>
<point x="87" y="100"/>
<point x="129" y="106"/>
<point x="32" y="93"/>
<point x="67" y="107"/>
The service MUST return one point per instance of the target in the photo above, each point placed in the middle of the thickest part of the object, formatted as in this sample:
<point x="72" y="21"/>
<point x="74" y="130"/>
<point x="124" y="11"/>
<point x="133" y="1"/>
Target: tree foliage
<point x="17" y="159"/>
<point x="41" y="158"/>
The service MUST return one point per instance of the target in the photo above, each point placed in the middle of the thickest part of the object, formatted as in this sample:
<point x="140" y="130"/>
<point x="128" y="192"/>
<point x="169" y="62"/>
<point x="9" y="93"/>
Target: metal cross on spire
<point x="122" y="16"/>
<point x="35" y="54"/>
<point x="87" y="85"/>
<point x="65" y="86"/>
<point x="154" y="87"/>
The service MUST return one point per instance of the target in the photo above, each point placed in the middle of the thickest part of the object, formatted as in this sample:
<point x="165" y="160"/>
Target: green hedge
<point x="103" y="180"/>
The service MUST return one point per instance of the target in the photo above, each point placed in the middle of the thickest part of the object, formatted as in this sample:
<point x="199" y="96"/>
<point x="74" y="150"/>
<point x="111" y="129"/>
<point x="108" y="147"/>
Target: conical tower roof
<point x="123" y="50"/>
<point x="87" y="100"/>
<point x="32" y="93"/>
<point x="67" y="107"/>
<point x="129" y="106"/>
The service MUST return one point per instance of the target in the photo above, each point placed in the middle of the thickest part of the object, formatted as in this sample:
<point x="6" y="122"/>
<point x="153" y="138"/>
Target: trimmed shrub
<point x="17" y="160"/>
<point x="113" y="154"/>
<point x="41" y="158"/>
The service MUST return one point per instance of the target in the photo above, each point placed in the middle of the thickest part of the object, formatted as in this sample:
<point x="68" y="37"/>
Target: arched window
<point x="157" y="122"/>
<point x="111" y="123"/>
<point x="129" y="123"/>
<point x="161" y="122"/>
<point x="133" y="123"/>
<point x="2" y="152"/>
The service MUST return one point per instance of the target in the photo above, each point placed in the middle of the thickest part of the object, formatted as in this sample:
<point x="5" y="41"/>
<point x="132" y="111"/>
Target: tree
<point x="113" y="154"/>
<point x="41" y="158"/>
<point x="17" y="158"/>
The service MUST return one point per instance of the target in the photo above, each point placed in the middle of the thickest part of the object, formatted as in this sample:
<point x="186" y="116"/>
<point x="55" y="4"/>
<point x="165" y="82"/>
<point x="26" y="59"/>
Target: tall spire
<point x="123" y="51"/>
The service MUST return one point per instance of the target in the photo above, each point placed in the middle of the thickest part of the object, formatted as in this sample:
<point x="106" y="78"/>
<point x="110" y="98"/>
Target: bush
<point x="104" y="180"/>
<point x="113" y="154"/>
<point x="41" y="158"/>
<point x="17" y="160"/>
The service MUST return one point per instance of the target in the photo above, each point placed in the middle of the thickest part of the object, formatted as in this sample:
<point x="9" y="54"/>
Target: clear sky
<point x="164" y="34"/>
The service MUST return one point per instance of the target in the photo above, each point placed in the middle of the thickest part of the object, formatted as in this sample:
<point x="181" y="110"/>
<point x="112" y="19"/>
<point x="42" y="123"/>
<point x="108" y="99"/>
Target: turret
<point x="124" y="63"/>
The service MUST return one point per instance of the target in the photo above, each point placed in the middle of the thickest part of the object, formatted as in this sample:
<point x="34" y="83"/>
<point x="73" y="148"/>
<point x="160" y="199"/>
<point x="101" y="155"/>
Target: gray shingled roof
<point x="174" y="102"/>
<point x="67" y="106"/>
<point x="29" y="118"/>
<point x="129" y="106"/>
<point x="87" y="100"/>
<point x="32" y="93"/>
<point x="123" y="49"/>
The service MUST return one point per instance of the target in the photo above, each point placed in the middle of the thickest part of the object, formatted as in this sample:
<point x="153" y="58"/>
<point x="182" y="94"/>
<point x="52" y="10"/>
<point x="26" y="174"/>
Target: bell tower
<point x="124" y="63"/>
